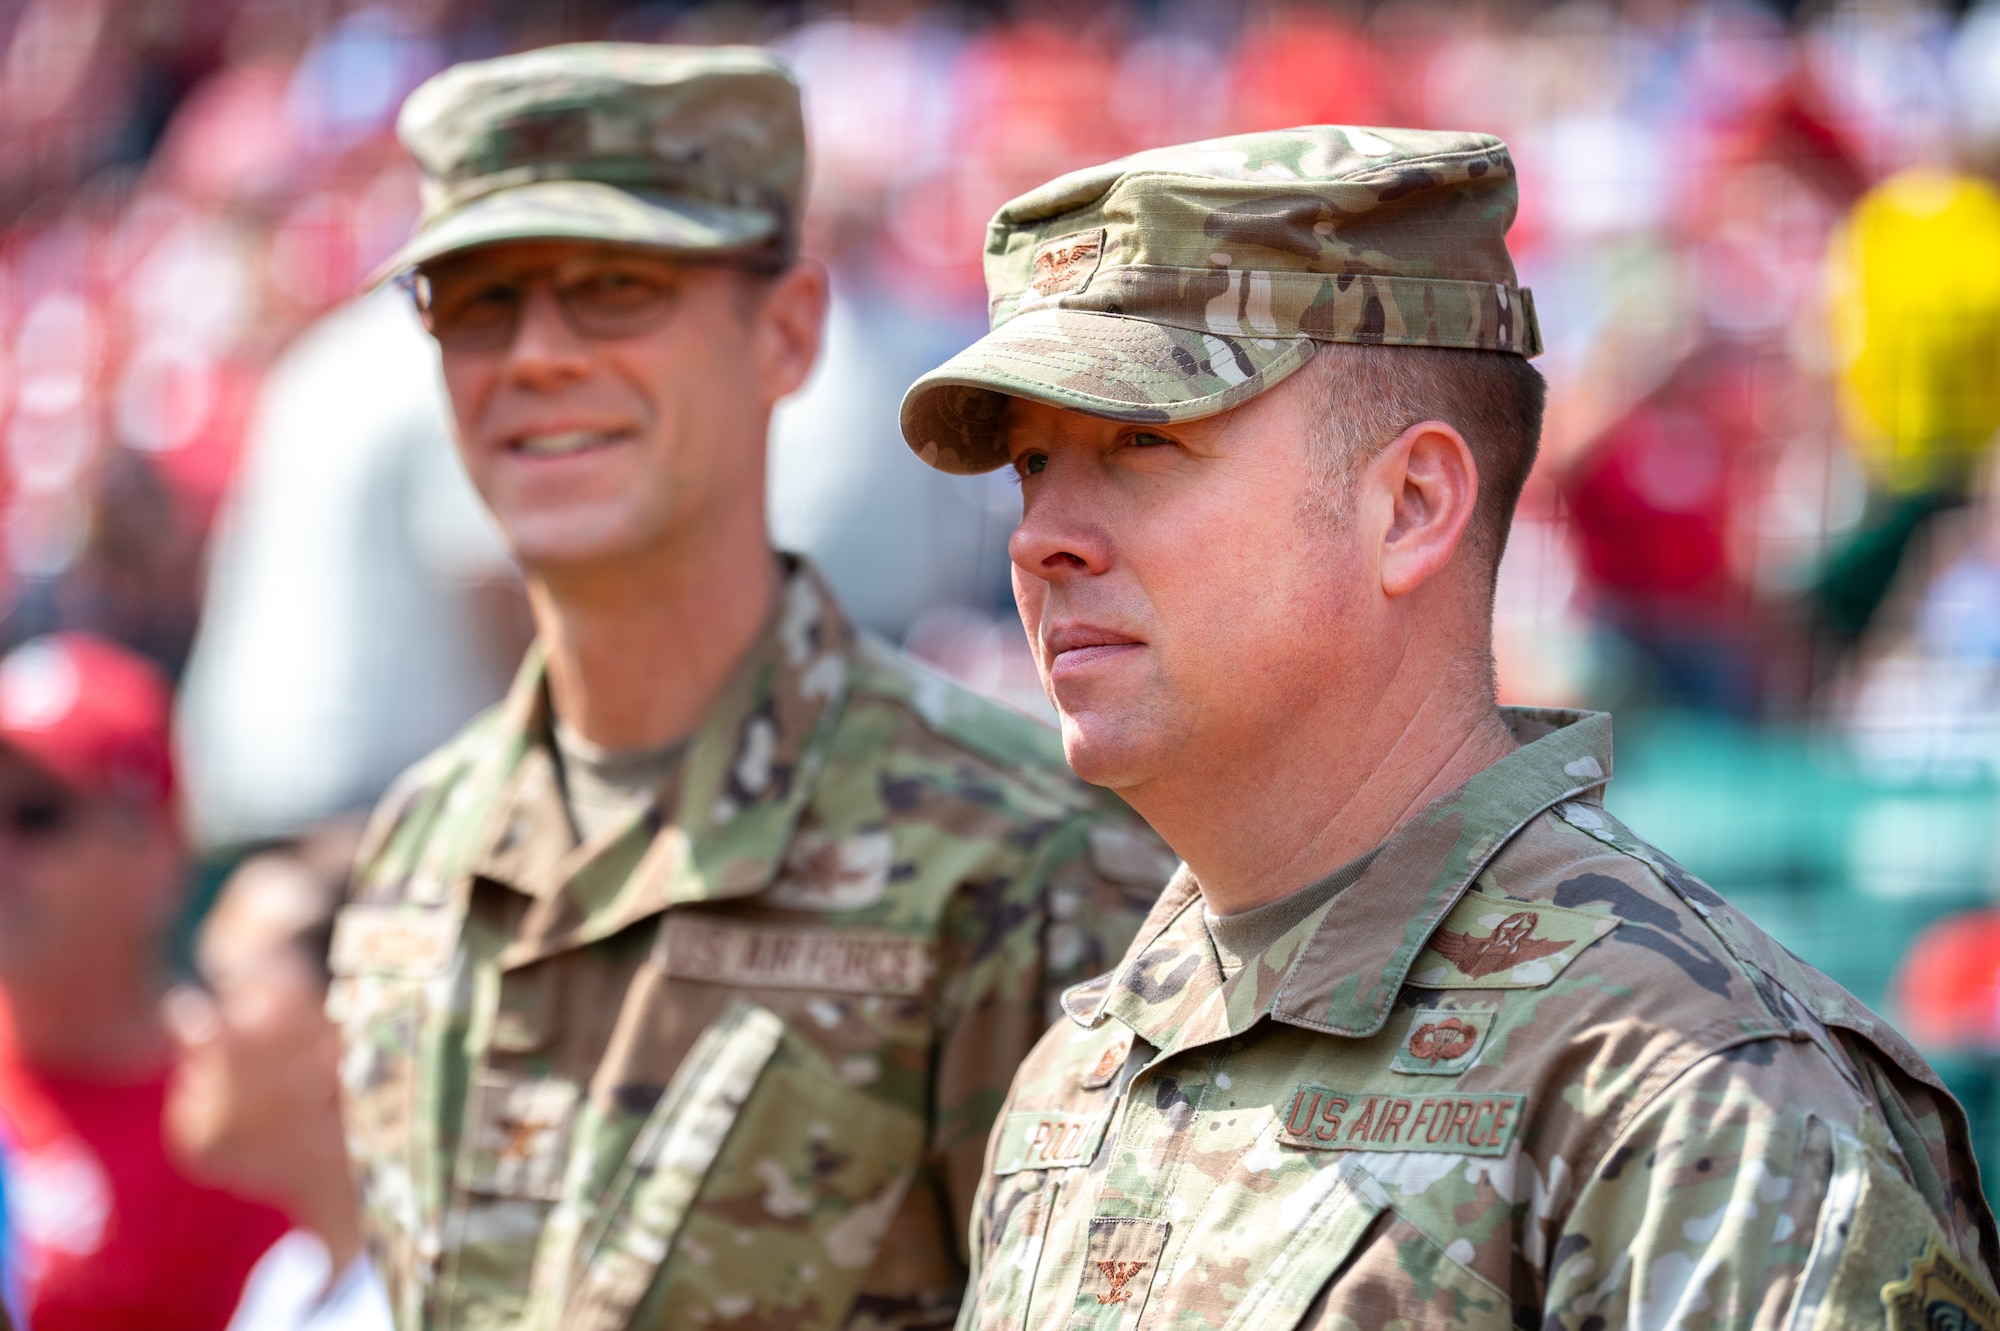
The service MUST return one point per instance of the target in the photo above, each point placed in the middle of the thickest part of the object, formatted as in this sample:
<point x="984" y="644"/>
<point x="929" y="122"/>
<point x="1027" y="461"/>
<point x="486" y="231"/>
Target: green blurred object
<point x="1843" y="870"/>
<point x="1859" y="574"/>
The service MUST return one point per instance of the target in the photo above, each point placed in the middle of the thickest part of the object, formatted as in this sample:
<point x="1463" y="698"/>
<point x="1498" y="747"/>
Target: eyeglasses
<point x="472" y="305"/>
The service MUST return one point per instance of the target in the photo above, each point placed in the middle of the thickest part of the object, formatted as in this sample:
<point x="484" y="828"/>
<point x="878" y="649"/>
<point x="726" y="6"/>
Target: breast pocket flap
<point x="1332" y="1213"/>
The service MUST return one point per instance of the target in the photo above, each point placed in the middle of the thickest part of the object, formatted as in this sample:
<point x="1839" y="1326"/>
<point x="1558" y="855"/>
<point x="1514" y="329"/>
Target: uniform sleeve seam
<point x="1742" y="967"/>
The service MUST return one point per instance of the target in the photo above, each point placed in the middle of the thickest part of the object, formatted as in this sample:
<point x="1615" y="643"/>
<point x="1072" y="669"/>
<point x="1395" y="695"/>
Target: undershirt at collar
<point x="1245" y="934"/>
<point x="603" y="788"/>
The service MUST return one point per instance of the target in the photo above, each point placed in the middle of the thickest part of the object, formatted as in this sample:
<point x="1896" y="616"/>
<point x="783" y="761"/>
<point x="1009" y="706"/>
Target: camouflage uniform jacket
<point x="1523" y="1072"/>
<point x="737" y="1059"/>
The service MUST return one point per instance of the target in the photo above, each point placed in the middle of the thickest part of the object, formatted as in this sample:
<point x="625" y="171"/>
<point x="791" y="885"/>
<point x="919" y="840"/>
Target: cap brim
<point x="587" y="210"/>
<point x="44" y="751"/>
<point x="1107" y="365"/>
<point x="140" y="773"/>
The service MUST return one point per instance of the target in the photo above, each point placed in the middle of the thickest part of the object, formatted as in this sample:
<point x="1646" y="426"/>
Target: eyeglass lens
<point x="468" y="307"/>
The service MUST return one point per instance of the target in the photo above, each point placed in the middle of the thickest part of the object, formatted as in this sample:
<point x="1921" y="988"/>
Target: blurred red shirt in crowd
<point x="112" y="1234"/>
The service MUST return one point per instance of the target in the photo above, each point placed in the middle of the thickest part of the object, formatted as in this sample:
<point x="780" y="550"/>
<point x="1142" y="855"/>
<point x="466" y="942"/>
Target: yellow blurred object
<point x="1914" y="278"/>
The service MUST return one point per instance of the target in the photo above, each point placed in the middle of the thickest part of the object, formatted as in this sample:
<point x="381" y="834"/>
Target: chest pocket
<point x="1032" y="1153"/>
<point x="759" y="1188"/>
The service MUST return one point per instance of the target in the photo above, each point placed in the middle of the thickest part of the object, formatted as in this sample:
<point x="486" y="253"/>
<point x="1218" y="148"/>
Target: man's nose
<point x="546" y="349"/>
<point x="1062" y="532"/>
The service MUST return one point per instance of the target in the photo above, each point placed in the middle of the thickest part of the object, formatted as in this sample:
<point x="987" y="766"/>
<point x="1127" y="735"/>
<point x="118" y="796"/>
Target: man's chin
<point x="1104" y="753"/>
<point x="569" y="547"/>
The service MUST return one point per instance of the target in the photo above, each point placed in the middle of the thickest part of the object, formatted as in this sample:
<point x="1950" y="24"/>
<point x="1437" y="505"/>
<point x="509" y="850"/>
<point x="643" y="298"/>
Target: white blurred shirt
<point x="339" y="640"/>
<point x="894" y="537"/>
<point x="288" y="1291"/>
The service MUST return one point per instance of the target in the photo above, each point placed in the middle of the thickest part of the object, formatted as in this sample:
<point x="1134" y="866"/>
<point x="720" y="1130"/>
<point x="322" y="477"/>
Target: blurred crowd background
<point x="1764" y="244"/>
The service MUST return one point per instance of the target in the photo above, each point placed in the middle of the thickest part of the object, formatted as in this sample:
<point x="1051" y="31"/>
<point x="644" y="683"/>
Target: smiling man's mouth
<point x="562" y="443"/>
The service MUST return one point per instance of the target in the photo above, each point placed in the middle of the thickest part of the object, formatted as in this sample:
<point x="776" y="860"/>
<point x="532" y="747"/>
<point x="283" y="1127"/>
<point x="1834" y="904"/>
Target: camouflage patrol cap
<point x="688" y="148"/>
<point x="1181" y="282"/>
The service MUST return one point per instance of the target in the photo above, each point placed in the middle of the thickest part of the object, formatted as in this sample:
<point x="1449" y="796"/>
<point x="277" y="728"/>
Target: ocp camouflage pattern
<point x="734" y="1063"/>
<point x="1524" y="1072"/>
<point x="1180" y="282"/>
<point x="678" y="147"/>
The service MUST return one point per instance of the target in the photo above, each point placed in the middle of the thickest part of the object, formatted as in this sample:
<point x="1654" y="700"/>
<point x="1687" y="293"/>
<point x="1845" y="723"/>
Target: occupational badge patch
<point x="830" y="874"/>
<point x="1938" y="1295"/>
<point x="1512" y="942"/>
<point x="1495" y="942"/>
<point x="1067" y="263"/>
<point x="1119" y="1276"/>
<point x="1105" y="1071"/>
<point x="1441" y="1042"/>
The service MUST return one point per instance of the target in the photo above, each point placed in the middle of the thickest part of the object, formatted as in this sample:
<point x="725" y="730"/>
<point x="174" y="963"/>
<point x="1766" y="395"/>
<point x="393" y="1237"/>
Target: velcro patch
<point x="1938" y="1292"/>
<point x="1472" y="1123"/>
<point x="1441" y="1042"/>
<point x="1490" y="942"/>
<point x="1048" y="1139"/>
<point x="393" y="940"/>
<point x="1067" y="263"/>
<point x="783" y="956"/>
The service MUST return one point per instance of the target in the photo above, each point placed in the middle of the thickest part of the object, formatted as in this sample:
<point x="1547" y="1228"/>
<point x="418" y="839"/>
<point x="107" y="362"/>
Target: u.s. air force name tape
<point x="783" y="956"/>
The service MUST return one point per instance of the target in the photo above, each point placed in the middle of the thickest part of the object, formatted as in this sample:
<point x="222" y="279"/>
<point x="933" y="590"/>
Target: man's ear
<point x="1431" y="484"/>
<point x="790" y="321"/>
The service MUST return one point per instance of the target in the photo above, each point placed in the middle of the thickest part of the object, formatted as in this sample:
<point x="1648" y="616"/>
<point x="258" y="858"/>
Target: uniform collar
<point x="740" y="790"/>
<point x="1340" y="971"/>
<point x="1346" y="979"/>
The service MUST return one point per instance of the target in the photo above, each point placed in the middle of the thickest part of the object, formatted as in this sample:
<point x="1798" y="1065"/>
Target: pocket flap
<point x="644" y="1208"/>
<point x="1334" y="1211"/>
<point x="759" y="1189"/>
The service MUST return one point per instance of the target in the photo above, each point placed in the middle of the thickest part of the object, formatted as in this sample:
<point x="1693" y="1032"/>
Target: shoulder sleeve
<point x="399" y="820"/>
<point x="390" y="812"/>
<point x="1760" y="1190"/>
